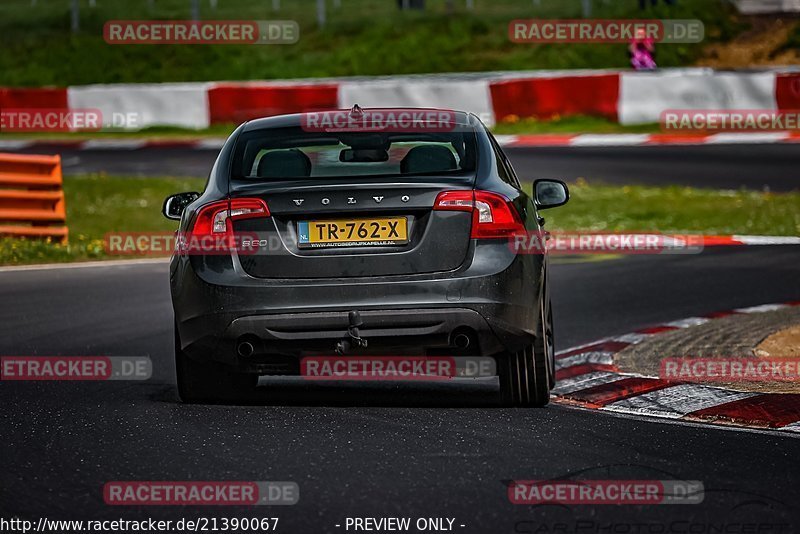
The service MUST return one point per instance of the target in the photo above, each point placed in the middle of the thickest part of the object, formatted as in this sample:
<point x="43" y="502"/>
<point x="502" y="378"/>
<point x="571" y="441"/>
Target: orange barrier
<point x="31" y="197"/>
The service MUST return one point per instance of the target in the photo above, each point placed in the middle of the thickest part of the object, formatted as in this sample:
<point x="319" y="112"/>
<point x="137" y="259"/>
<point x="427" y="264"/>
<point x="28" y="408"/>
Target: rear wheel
<point x="526" y="375"/>
<point x="549" y="346"/>
<point x="207" y="381"/>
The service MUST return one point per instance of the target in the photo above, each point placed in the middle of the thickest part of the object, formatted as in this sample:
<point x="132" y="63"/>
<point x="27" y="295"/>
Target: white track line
<point x="756" y="137"/>
<point x="767" y="239"/>
<point x="610" y="140"/>
<point x="83" y="265"/>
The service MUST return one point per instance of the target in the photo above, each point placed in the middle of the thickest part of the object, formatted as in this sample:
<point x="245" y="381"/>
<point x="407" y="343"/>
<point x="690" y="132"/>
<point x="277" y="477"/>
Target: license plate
<point x="353" y="232"/>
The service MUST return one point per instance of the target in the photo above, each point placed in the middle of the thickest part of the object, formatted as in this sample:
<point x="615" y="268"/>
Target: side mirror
<point x="175" y="204"/>
<point x="550" y="193"/>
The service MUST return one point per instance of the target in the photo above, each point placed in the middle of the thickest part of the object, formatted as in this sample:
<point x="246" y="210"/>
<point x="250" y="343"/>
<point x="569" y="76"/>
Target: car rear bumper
<point x="401" y="315"/>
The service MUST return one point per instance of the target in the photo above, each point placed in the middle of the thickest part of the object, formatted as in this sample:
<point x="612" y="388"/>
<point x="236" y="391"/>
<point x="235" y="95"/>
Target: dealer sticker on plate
<point x="353" y="232"/>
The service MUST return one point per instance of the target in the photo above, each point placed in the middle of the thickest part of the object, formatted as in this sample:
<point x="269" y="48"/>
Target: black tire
<point x="525" y="376"/>
<point x="550" y="349"/>
<point x="209" y="382"/>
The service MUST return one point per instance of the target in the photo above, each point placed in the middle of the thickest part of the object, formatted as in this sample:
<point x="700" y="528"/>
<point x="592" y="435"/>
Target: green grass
<point x="363" y="37"/>
<point x="792" y="43"/>
<point x="677" y="209"/>
<point x="97" y="205"/>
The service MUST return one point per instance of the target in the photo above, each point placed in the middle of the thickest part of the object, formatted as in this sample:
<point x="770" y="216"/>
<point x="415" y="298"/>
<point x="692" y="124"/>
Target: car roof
<point x="462" y="118"/>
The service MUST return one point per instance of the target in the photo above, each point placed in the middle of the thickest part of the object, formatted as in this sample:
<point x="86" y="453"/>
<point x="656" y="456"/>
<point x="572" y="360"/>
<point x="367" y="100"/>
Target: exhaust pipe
<point x="245" y="349"/>
<point x="461" y="341"/>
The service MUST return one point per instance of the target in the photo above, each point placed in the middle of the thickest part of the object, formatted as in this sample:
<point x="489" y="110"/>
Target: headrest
<point x="431" y="158"/>
<point x="291" y="163"/>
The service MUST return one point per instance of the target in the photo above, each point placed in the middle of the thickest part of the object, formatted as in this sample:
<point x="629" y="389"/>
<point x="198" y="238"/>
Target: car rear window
<point x="293" y="153"/>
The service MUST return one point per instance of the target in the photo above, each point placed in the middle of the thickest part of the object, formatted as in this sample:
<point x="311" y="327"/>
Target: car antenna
<point x="356" y="111"/>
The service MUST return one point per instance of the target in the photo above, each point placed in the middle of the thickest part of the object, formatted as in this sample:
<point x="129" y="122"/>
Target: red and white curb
<point x="657" y="139"/>
<point x="586" y="376"/>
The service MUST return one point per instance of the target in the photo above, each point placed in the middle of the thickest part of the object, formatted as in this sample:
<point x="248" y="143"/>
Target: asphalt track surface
<point x="752" y="166"/>
<point x="381" y="451"/>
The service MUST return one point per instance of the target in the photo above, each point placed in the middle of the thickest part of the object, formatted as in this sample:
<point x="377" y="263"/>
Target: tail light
<point x="212" y="219"/>
<point x="493" y="215"/>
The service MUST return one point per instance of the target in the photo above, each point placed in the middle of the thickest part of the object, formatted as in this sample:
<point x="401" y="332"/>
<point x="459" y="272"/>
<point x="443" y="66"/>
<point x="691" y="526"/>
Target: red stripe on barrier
<point x="769" y="409"/>
<point x="545" y="98"/>
<point x="603" y="346"/>
<point x="47" y="97"/>
<point x="614" y="391"/>
<point x="240" y="102"/>
<point x="787" y="91"/>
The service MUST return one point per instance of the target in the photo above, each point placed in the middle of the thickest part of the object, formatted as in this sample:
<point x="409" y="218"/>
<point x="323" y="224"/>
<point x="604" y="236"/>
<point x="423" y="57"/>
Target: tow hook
<point x="354" y="340"/>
